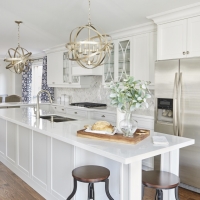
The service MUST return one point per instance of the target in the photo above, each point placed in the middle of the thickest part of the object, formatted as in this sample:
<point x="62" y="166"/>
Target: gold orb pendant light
<point x="18" y="57"/>
<point x="91" y="52"/>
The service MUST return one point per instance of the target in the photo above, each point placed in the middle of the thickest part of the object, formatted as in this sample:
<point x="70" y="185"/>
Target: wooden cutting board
<point x="137" y="137"/>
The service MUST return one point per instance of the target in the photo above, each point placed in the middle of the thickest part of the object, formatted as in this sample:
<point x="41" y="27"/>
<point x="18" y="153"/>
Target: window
<point x="36" y="79"/>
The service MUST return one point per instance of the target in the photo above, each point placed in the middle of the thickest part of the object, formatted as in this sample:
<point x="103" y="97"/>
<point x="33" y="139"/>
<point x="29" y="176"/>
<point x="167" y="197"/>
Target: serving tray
<point x="137" y="137"/>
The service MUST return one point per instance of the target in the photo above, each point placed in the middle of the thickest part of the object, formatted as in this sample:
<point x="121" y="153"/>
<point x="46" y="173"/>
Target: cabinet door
<point x="109" y="67"/>
<point x="124" y="59"/>
<point x="55" y="68"/>
<point x="141" y="57"/>
<point x="193" y="40"/>
<point x="172" y="40"/>
<point x="152" y="56"/>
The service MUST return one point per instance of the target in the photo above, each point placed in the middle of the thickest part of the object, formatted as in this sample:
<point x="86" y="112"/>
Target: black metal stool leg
<point x="107" y="189"/>
<point x="74" y="190"/>
<point x="176" y="193"/>
<point x="160" y="194"/>
<point x="91" y="191"/>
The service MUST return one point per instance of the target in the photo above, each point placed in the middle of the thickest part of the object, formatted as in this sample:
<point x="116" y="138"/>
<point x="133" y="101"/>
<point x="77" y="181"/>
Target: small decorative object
<point x="91" y="52"/>
<point x="18" y="57"/>
<point x="128" y="96"/>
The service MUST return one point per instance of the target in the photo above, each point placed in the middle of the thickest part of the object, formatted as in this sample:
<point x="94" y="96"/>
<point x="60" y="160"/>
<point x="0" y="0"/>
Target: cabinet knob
<point x="75" y="112"/>
<point x="188" y="52"/>
<point x="103" y="116"/>
<point x="55" y="107"/>
<point x="62" y="109"/>
<point x="184" y="53"/>
<point x="53" y="82"/>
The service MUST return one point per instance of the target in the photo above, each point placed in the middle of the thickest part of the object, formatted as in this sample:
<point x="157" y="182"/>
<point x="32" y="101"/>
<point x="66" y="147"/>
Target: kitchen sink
<point x="56" y="118"/>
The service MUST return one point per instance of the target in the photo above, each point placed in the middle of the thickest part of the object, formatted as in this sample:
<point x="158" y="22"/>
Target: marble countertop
<point x="66" y="132"/>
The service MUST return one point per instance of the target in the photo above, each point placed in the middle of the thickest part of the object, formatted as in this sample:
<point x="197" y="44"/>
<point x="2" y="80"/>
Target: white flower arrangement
<point x="129" y="94"/>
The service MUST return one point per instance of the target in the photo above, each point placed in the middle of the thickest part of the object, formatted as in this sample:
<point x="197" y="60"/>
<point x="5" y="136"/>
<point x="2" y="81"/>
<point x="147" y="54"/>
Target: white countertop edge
<point x="160" y="151"/>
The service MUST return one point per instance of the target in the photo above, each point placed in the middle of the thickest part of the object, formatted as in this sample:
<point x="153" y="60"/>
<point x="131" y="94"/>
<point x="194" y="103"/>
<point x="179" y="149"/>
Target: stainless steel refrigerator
<point x="177" y="110"/>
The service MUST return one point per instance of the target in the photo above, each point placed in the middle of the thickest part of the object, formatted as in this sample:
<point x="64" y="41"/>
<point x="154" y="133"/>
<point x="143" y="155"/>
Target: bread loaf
<point x="102" y="126"/>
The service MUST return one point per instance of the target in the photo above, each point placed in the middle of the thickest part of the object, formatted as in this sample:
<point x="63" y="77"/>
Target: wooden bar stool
<point x="160" y="180"/>
<point x="91" y="174"/>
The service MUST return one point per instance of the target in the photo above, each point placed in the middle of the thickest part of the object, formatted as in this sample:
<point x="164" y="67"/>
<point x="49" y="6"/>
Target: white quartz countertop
<point x="66" y="132"/>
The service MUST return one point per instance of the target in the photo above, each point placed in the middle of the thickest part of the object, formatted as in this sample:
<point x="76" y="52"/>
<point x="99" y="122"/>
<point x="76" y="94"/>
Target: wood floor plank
<point x="149" y="194"/>
<point x="12" y="187"/>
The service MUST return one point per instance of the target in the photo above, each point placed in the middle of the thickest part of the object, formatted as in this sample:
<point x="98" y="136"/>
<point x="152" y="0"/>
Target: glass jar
<point x="128" y="125"/>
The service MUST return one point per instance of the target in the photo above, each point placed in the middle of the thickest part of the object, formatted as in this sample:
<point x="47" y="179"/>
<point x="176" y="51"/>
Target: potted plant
<point x="128" y="96"/>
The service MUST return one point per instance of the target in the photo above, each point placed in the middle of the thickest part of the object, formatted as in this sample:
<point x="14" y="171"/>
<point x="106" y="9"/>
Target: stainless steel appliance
<point x="89" y="105"/>
<point x="177" y="110"/>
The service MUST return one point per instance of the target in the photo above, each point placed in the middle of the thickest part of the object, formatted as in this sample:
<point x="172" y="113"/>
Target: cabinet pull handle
<point x="75" y="112"/>
<point x="188" y="52"/>
<point x="184" y="53"/>
<point x="103" y="116"/>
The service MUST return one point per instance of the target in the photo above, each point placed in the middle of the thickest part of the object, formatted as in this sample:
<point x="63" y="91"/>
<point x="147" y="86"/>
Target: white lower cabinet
<point x="77" y="112"/>
<point x="102" y="116"/>
<point x="24" y="149"/>
<point x="2" y="137"/>
<point x="41" y="163"/>
<point x="62" y="167"/>
<point x="11" y="142"/>
<point x="60" y="109"/>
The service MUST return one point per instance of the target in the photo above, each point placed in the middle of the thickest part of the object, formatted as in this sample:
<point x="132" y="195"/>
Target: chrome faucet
<point x="38" y="105"/>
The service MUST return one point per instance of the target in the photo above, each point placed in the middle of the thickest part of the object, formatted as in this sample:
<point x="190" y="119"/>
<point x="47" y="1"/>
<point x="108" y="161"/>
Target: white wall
<point x="10" y="83"/>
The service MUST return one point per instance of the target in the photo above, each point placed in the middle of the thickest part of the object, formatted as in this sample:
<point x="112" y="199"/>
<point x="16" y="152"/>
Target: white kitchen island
<point x="43" y="154"/>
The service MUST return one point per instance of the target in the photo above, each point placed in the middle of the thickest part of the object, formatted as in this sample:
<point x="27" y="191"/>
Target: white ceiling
<point x="48" y="23"/>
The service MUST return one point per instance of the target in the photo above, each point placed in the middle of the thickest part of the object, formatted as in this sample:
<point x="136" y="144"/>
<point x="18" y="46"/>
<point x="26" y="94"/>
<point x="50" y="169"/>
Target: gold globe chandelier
<point x="18" y="57"/>
<point x="91" y="52"/>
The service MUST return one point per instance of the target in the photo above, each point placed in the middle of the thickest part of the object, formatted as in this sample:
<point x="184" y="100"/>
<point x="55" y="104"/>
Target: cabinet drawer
<point x="77" y="112"/>
<point x="60" y="109"/>
<point x="104" y="116"/>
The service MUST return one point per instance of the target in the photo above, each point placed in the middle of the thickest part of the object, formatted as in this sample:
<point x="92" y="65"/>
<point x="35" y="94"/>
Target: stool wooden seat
<point x="160" y="180"/>
<point x="91" y="174"/>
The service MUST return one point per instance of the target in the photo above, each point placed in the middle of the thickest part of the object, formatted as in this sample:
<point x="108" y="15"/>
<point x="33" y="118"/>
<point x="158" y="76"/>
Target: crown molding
<point x="134" y="30"/>
<point x="38" y="55"/>
<point x="176" y="14"/>
<point x="60" y="47"/>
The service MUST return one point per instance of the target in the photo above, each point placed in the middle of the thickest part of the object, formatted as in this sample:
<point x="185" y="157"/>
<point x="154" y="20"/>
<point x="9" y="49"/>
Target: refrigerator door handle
<point x="180" y="133"/>
<point x="175" y="127"/>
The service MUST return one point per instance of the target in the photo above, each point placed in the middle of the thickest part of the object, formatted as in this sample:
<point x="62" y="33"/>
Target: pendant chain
<point x="18" y="37"/>
<point x="89" y="20"/>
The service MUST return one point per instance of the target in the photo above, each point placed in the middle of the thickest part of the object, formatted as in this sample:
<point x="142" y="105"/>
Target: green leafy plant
<point x="129" y="94"/>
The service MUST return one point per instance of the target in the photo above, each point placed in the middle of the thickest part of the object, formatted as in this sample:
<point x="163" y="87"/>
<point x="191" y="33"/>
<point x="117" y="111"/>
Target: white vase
<point x="120" y="117"/>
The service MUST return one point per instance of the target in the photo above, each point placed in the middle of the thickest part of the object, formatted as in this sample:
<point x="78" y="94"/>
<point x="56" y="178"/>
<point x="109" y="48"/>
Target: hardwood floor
<point x="149" y="194"/>
<point x="13" y="188"/>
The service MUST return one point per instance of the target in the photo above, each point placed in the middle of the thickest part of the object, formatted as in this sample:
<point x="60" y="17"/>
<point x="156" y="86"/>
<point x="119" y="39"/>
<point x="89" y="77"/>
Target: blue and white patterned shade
<point x="44" y="96"/>
<point x="27" y="85"/>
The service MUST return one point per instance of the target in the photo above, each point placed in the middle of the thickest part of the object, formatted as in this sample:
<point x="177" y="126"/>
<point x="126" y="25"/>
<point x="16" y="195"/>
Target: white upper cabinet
<point x="60" y="73"/>
<point x="141" y="57"/>
<point x="193" y="41"/>
<point x="117" y="65"/>
<point x="55" y="68"/>
<point x="178" y="32"/>
<point x="144" y="56"/>
<point x="172" y="40"/>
